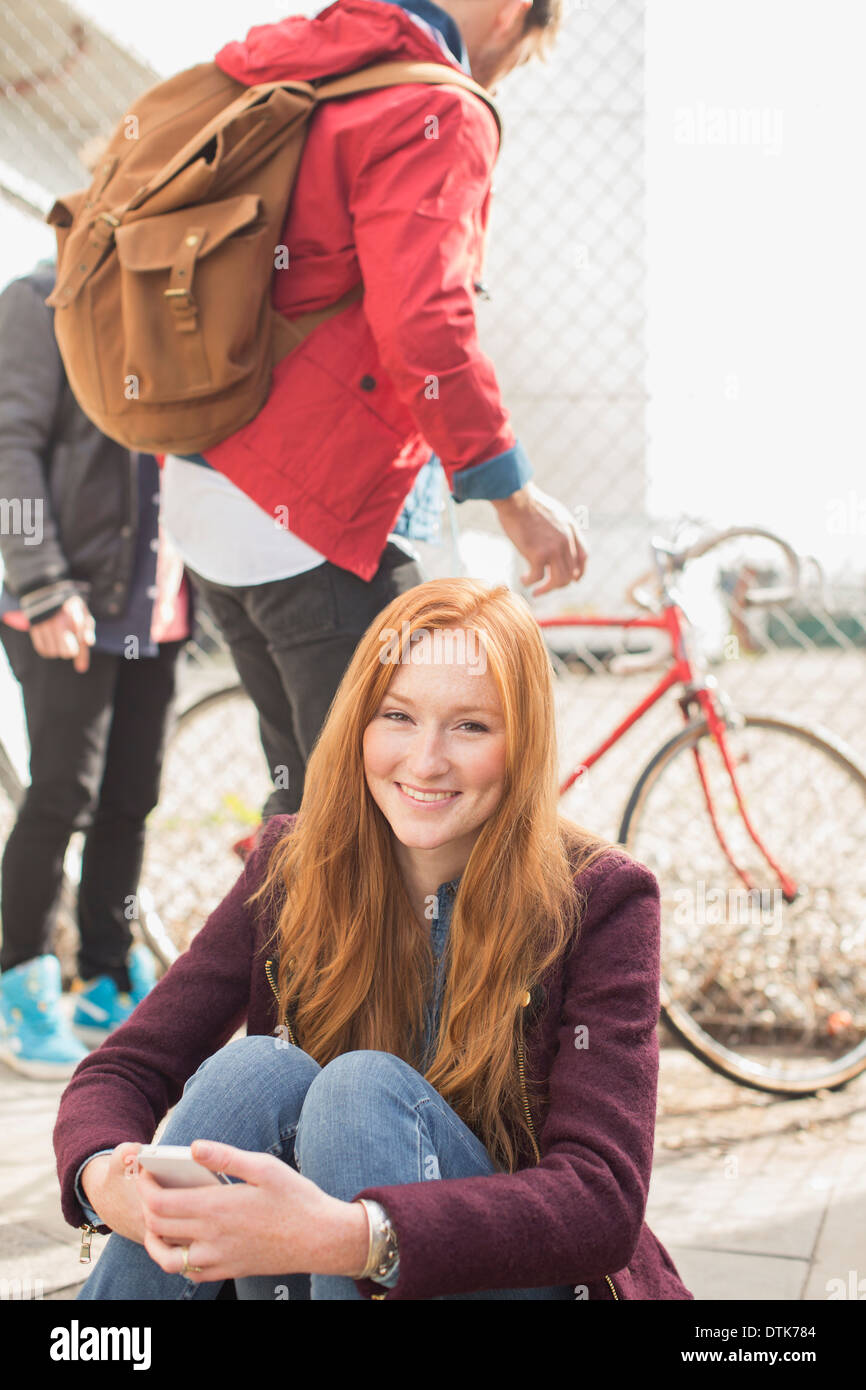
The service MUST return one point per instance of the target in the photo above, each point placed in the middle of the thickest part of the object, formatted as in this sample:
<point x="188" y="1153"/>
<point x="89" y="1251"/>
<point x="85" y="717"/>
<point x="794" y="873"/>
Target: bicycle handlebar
<point x="670" y="558"/>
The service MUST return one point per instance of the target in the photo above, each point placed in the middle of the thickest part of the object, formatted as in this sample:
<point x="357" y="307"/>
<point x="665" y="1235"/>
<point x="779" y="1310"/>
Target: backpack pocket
<point x="191" y="300"/>
<point x="61" y="217"/>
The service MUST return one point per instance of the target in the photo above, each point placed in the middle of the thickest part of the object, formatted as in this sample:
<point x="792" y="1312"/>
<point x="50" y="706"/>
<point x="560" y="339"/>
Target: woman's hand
<point x="108" y="1185"/>
<point x="274" y="1222"/>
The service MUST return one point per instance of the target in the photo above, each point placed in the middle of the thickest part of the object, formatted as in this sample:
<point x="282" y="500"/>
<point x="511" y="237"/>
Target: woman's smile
<point x="423" y="798"/>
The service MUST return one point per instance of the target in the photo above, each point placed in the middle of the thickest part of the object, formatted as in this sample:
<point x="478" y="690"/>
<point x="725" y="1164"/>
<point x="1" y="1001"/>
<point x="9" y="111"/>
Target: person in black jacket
<point x="94" y="645"/>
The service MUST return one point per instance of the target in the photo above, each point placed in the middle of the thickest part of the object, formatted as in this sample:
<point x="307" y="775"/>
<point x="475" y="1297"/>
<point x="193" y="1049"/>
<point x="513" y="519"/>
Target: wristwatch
<point x="382" y="1251"/>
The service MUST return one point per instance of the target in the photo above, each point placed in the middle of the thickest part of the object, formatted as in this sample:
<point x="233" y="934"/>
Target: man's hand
<point x="69" y="634"/>
<point x="273" y="1222"/>
<point x="546" y="534"/>
<point x="108" y="1185"/>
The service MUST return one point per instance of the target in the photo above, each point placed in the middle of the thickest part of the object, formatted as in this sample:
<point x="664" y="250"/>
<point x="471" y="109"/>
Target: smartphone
<point x="173" y="1165"/>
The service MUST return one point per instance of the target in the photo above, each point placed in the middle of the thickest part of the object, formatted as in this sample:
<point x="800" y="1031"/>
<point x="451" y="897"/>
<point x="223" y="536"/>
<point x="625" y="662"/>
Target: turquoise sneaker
<point x="142" y="971"/>
<point x="35" y="1037"/>
<point x="100" y="1006"/>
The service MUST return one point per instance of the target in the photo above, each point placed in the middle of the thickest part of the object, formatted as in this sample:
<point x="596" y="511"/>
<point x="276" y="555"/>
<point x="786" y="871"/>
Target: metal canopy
<point x="63" y="84"/>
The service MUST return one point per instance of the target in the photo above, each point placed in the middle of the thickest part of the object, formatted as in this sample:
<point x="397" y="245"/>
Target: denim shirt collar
<point x="441" y="20"/>
<point x="441" y="923"/>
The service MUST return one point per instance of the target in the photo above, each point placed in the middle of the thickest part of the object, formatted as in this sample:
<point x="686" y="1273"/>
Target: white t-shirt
<point x="223" y="534"/>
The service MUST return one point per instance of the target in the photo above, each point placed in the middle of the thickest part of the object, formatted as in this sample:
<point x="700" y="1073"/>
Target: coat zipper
<point x="87" y="1234"/>
<point x="288" y="1027"/>
<point x="523" y="1087"/>
<point x="522" y="1073"/>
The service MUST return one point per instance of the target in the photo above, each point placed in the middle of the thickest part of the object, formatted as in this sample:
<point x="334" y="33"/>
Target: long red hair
<point x="355" y="964"/>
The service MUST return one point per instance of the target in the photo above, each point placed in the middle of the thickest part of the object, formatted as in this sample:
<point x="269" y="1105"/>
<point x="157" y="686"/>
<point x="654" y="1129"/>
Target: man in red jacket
<point x="288" y="527"/>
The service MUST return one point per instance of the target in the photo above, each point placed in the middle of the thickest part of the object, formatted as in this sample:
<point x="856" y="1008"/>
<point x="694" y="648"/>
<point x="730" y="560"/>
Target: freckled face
<point x="439" y="729"/>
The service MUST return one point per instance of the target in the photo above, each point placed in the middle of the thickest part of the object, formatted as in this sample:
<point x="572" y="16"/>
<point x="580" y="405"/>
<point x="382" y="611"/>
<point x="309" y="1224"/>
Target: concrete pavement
<point x="755" y="1197"/>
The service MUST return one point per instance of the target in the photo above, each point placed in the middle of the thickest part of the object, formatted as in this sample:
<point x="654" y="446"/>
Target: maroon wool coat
<point x="572" y="1218"/>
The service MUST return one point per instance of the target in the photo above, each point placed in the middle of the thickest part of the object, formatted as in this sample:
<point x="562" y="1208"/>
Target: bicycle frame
<point x="698" y="689"/>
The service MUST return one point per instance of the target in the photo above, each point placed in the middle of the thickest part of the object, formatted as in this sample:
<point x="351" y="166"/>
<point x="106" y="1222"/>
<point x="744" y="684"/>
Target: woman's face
<point x="439" y="729"/>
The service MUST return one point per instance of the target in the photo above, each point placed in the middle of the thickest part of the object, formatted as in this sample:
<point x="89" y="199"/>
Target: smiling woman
<point x="430" y="719"/>
<point x="466" y="990"/>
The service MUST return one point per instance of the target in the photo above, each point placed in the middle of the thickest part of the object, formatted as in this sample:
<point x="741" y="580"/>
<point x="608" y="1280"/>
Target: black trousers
<point x="96" y="747"/>
<point x="291" y="640"/>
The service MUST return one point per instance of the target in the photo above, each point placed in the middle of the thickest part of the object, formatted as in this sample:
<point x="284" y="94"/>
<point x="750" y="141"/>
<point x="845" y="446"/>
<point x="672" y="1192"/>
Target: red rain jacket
<point x="355" y="412"/>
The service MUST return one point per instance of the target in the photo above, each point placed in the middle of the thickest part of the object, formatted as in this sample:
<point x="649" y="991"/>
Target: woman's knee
<point x="351" y="1092"/>
<point x="248" y="1060"/>
<point x="252" y="1089"/>
<point x="346" y="1076"/>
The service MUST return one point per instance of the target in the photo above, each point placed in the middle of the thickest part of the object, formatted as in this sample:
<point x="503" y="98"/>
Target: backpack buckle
<point x="102" y="230"/>
<point x="184" y="308"/>
<point x="179" y="294"/>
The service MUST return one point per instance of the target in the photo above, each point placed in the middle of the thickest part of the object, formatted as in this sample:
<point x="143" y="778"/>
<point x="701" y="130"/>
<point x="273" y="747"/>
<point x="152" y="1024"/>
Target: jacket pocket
<point x="316" y="434"/>
<point x="191" y="325"/>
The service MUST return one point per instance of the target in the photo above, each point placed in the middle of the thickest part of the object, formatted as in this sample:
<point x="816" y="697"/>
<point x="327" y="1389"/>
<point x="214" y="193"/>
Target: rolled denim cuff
<point x="496" y="477"/>
<point x="89" y="1214"/>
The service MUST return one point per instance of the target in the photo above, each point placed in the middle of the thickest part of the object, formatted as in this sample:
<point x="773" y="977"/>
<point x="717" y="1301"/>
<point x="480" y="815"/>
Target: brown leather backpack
<point x="164" y="265"/>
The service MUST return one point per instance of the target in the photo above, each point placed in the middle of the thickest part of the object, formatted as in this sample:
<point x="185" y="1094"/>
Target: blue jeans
<point x="365" y="1119"/>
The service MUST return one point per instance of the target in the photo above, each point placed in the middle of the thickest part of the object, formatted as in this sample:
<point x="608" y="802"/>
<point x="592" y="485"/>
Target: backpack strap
<point x="287" y="334"/>
<point x="365" y="79"/>
<point x="394" y="74"/>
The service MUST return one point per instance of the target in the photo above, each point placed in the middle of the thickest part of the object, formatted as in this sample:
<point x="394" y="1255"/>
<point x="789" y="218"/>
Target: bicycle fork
<point x="717" y="725"/>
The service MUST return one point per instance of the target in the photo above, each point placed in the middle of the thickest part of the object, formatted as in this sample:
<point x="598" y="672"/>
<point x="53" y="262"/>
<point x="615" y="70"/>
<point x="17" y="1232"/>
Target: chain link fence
<point x="565" y="326"/>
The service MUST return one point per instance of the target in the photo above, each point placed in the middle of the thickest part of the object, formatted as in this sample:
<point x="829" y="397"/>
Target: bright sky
<point x="757" y="296"/>
<point x="756" y="227"/>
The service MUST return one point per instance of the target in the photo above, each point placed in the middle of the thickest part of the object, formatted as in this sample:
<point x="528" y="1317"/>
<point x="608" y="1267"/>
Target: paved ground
<point x="754" y="1197"/>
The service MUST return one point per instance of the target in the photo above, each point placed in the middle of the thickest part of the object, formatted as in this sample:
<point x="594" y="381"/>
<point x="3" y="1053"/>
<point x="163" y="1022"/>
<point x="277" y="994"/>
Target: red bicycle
<point x="754" y="826"/>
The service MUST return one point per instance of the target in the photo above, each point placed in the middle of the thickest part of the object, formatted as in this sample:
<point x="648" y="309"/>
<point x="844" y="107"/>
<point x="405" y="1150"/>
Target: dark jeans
<point x="96" y="747"/>
<point x="291" y="640"/>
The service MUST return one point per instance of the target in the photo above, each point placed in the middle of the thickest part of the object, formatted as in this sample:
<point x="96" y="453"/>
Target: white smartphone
<point x="173" y="1165"/>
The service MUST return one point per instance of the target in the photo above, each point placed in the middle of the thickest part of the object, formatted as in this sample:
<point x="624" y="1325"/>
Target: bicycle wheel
<point x="768" y="992"/>
<point x="214" y="782"/>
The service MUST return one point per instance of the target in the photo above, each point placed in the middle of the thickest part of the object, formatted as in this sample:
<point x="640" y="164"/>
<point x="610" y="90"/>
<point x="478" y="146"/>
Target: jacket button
<point x="126" y="530"/>
<point x="367" y="383"/>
